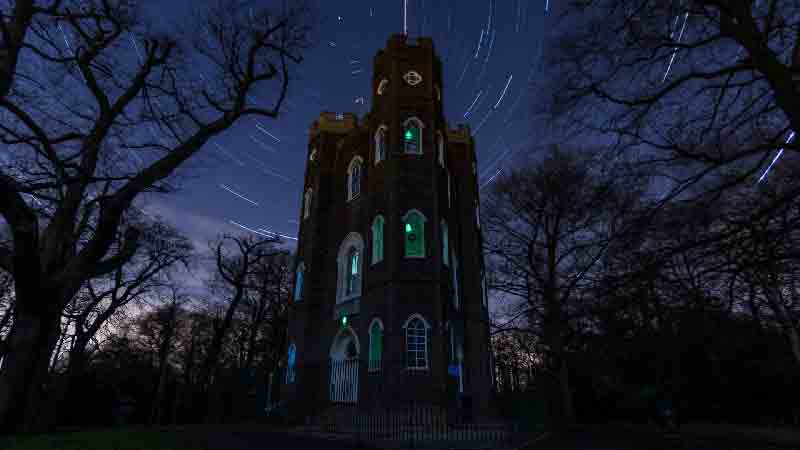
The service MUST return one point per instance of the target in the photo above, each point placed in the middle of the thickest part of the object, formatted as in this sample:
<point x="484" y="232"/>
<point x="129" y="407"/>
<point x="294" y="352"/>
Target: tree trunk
<point x="30" y="344"/>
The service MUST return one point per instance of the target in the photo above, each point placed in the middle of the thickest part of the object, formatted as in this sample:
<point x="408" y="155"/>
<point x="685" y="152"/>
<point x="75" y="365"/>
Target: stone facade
<point x="396" y="287"/>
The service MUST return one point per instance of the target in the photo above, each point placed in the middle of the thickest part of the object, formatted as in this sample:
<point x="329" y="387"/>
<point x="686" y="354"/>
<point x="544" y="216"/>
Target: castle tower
<point x="389" y="299"/>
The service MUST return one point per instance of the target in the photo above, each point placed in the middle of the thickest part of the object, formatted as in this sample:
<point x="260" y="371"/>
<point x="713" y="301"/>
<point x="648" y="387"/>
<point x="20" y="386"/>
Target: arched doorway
<point x="344" y="367"/>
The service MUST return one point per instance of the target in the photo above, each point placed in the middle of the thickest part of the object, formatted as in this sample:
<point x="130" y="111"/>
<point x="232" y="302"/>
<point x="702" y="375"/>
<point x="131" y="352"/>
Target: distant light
<point x="344" y="321"/>
<point x="409" y="135"/>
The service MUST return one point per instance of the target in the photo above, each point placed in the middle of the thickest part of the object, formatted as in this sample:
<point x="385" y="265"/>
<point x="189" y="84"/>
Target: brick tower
<point x="389" y="301"/>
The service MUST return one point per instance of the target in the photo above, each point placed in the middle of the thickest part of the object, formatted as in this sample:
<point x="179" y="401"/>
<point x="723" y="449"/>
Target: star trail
<point x="255" y="170"/>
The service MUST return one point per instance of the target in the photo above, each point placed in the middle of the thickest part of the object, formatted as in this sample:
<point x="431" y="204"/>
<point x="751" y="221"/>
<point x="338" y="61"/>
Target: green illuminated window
<point x="377" y="239"/>
<point x="414" y="235"/>
<point x="412" y="136"/>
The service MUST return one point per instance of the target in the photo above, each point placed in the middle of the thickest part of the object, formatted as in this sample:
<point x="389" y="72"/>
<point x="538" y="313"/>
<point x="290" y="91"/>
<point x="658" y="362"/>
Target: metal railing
<point x="417" y="425"/>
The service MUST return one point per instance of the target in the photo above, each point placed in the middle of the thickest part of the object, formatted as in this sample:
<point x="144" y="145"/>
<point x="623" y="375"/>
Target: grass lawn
<point x="122" y="439"/>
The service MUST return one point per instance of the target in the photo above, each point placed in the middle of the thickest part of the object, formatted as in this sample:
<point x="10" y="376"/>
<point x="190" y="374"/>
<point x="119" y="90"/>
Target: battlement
<point x="334" y="123"/>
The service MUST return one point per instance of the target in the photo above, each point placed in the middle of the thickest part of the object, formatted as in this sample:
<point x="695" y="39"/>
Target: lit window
<point x="313" y="155"/>
<point x="354" y="178"/>
<point x="291" y="356"/>
<point x="412" y="136"/>
<point x="349" y="275"/>
<point x="438" y="93"/>
<point x="445" y="244"/>
<point x="380" y="144"/>
<point x="352" y="271"/>
<point x="375" y="345"/>
<point x="298" y="284"/>
<point x="416" y="343"/>
<point x="413" y="78"/>
<point x="414" y="234"/>
<point x="382" y="86"/>
<point x="377" y="239"/>
<point x="307" y="204"/>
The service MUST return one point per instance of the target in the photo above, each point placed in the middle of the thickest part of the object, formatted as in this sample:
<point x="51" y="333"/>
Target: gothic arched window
<point x="298" y="283"/>
<point x="380" y="144"/>
<point x="307" y="204"/>
<point x="375" y="345"/>
<point x="377" y="239"/>
<point x="412" y="136"/>
<point x="350" y="268"/>
<point x="291" y="357"/>
<point x="382" y="86"/>
<point x="354" y="178"/>
<point x="440" y="148"/>
<point x="414" y="234"/>
<point x="417" y="342"/>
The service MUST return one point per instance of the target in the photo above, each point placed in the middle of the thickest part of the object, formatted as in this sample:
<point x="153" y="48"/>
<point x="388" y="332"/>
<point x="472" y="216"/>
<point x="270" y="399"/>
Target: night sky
<point x="252" y="174"/>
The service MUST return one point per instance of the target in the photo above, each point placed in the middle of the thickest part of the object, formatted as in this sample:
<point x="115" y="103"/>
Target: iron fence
<point x="417" y="426"/>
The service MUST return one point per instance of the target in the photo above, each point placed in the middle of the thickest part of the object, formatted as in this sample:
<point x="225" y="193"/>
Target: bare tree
<point x="237" y="268"/>
<point x="697" y="88"/>
<point x="96" y="110"/>
<point x="547" y="229"/>
<point x="162" y="249"/>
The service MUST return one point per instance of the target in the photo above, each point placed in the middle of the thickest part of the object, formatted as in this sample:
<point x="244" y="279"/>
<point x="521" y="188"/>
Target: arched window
<point x="414" y="234"/>
<point x="375" y="345"/>
<point x="353" y="267"/>
<point x="349" y="261"/>
<point x="382" y="86"/>
<point x="380" y="144"/>
<point x="440" y="148"/>
<point x="307" y="204"/>
<point x="445" y="244"/>
<point x="377" y="239"/>
<point x="298" y="283"/>
<point x="417" y="342"/>
<point x="354" y="178"/>
<point x="412" y="136"/>
<point x="291" y="357"/>
<point x="448" y="189"/>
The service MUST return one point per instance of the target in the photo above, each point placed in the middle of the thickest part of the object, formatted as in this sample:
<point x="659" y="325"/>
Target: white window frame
<point x="307" y="203"/>
<point x="353" y="239"/>
<point x="385" y="130"/>
<point x="421" y="126"/>
<point x="382" y="86"/>
<point x="357" y="161"/>
<point x="426" y="328"/>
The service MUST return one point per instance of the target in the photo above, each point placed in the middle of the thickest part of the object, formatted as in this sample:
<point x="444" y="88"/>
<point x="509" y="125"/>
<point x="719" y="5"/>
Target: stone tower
<point x="389" y="301"/>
